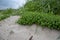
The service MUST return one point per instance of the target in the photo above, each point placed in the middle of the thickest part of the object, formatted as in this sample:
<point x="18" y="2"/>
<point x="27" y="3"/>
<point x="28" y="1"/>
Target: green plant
<point x="3" y="17"/>
<point x="6" y="13"/>
<point x="44" y="19"/>
<point x="43" y="5"/>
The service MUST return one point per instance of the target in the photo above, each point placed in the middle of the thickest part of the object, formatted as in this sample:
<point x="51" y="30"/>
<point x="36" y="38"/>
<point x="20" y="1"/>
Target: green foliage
<point x="43" y="5"/>
<point x="3" y="17"/>
<point x="46" y="20"/>
<point x="6" y="13"/>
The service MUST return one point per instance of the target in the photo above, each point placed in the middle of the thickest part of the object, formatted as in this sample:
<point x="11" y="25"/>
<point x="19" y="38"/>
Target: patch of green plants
<point x="6" y="13"/>
<point x="3" y="17"/>
<point x="44" y="19"/>
<point x="44" y="6"/>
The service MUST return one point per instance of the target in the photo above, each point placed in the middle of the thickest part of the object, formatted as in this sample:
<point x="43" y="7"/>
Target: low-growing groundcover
<point x="6" y="13"/>
<point x="45" y="20"/>
<point x="41" y="12"/>
<point x="3" y="17"/>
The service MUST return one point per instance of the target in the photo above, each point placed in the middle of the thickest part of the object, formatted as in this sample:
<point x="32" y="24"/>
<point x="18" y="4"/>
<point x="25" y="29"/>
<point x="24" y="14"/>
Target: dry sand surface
<point x="10" y="30"/>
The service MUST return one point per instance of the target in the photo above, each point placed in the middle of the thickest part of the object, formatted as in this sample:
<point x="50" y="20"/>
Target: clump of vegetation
<point x="41" y="12"/>
<point x="5" y="13"/>
<point x="3" y="17"/>
<point x="43" y="19"/>
<point x="44" y="6"/>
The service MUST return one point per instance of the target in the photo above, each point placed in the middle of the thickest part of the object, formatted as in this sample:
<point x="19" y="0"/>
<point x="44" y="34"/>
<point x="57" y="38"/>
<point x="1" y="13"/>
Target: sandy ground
<point x="10" y="30"/>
